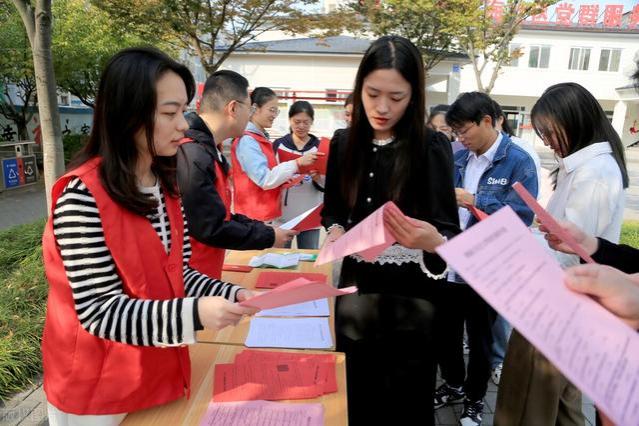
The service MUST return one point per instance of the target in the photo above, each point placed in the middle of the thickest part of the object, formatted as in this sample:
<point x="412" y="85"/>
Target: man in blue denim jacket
<point x="484" y="174"/>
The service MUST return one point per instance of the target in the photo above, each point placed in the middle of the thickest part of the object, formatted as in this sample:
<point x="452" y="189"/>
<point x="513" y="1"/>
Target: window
<point x="514" y="51"/>
<point x="609" y="60"/>
<point x="539" y="56"/>
<point x="579" y="58"/>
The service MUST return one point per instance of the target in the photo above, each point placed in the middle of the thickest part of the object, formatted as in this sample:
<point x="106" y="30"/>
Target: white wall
<point x="531" y="82"/>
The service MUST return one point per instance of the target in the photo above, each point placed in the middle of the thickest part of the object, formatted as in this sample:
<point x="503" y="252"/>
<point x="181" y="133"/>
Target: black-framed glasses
<point x="462" y="133"/>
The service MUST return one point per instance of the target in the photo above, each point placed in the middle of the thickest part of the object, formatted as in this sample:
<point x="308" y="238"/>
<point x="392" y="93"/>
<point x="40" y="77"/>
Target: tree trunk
<point x="38" y="28"/>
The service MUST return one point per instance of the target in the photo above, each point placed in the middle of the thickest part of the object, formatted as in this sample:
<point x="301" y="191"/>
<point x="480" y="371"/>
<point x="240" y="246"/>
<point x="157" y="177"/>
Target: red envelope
<point x="272" y="279"/>
<point x="319" y="165"/>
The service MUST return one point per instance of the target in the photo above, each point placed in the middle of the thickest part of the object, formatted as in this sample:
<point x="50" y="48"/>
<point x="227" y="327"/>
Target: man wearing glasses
<point x="203" y="172"/>
<point x="485" y="171"/>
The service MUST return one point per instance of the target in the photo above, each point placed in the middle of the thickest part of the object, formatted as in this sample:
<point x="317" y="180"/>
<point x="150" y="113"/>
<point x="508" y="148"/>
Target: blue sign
<point x="11" y="173"/>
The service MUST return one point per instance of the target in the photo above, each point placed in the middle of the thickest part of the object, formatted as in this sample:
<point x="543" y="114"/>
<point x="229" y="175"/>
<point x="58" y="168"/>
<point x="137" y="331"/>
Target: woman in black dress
<point x="389" y="154"/>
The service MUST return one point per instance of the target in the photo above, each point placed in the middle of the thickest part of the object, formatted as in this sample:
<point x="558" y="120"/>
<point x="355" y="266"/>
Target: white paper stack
<point x="293" y="333"/>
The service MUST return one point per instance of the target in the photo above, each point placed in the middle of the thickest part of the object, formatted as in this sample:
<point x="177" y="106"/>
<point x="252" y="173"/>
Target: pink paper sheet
<point x="259" y="413"/>
<point x="368" y="239"/>
<point x="503" y="262"/>
<point x="296" y="291"/>
<point x="546" y="219"/>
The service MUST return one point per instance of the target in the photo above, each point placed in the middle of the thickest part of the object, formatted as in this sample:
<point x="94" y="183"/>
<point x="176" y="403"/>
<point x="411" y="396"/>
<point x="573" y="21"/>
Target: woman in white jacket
<point x="589" y="191"/>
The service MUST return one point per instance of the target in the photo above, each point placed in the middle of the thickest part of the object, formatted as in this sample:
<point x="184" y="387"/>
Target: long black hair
<point x="574" y="116"/>
<point x="505" y="125"/>
<point x="125" y="104"/>
<point x="397" y="53"/>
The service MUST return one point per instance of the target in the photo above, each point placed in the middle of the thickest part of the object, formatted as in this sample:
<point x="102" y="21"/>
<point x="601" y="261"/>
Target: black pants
<point x="390" y="363"/>
<point x="458" y="304"/>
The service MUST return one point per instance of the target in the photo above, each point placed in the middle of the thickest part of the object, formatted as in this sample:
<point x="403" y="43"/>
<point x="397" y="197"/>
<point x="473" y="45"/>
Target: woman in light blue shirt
<point x="258" y="162"/>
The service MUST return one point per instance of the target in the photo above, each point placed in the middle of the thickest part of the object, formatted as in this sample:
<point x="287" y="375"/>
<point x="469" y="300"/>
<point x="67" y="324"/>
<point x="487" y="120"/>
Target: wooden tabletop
<point x="237" y="335"/>
<point x="204" y="356"/>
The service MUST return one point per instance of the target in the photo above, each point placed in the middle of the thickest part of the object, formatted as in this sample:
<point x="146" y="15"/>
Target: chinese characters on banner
<point x="565" y="14"/>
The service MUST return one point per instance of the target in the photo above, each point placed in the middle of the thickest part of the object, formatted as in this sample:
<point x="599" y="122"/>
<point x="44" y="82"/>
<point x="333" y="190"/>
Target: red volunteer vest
<point x="248" y="198"/>
<point x="84" y="374"/>
<point x="205" y="258"/>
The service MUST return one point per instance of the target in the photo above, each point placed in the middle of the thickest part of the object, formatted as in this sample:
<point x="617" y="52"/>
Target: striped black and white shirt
<point x="103" y="308"/>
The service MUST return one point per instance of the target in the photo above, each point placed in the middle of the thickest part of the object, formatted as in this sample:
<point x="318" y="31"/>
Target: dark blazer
<point x="204" y="209"/>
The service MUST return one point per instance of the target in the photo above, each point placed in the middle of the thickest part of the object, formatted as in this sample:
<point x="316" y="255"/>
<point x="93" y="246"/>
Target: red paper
<point x="310" y="219"/>
<point x="546" y="219"/>
<point x="479" y="215"/>
<point x="236" y="268"/>
<point x="326" y="373"/>
<point x="272" y="279"/>
<point x="272" y="380"/>
<point x="273" y="375"/>
<point x="319" y="165"/>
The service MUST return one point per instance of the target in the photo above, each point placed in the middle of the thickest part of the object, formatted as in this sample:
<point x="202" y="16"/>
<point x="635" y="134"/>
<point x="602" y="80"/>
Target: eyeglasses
<point x="462" y="133"/>
<point x="274" y="111"/>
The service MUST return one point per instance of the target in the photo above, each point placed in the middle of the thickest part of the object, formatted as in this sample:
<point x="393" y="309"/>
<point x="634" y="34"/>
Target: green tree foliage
<point x="84" y="38"/>
<point x="202" y="27"/>
<point x="432" y="25"/>
<point x="16" y="70"/>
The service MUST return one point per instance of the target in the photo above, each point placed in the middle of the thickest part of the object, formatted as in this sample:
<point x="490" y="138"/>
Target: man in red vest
<point x="202" y="175"/>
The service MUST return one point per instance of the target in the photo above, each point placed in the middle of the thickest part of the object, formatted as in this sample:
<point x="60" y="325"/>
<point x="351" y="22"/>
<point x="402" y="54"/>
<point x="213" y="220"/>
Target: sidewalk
<point x="22" y="205"/>
<point x="449" y="415"/>
<point x="27" y="408"/>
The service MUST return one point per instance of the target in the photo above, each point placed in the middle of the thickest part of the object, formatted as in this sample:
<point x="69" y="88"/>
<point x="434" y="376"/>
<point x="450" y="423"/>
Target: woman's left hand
<point x="412" y="233"/>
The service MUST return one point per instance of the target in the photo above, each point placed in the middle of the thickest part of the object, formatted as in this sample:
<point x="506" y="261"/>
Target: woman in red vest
<point x="257" y="177"/>
<point x="123" y="302"/>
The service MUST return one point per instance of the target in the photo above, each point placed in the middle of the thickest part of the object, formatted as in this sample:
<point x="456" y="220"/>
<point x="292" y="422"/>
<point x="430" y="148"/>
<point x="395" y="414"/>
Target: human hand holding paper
<point x="216" y="312"/>
<point x="500" y="258"/>
<point x="368" y="238"/>
<point x="616" y="291"/>
<point x="588" y="242"/>
<point x="296" y="291"/>
<point x="550" y="223"/>
<point x="411" y="233"/>
<point x="315" y="160"/>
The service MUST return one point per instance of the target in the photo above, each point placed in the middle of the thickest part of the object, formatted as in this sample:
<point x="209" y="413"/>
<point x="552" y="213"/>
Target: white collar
<point x="577" y="159"/>
<point x="490" y="153"/>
